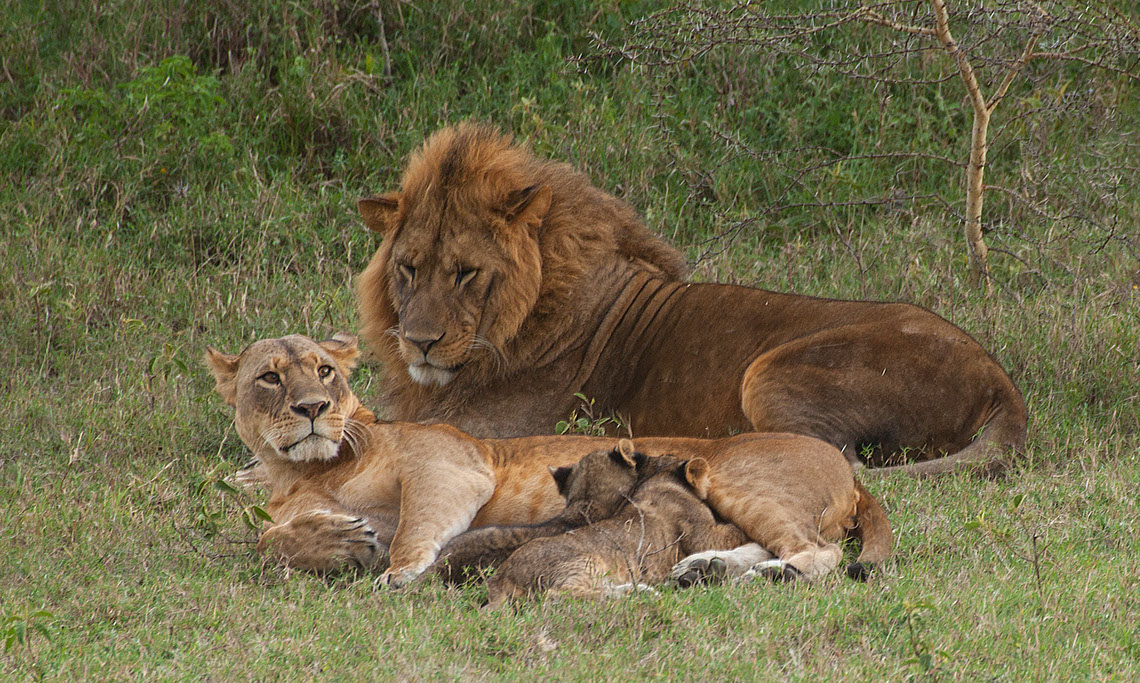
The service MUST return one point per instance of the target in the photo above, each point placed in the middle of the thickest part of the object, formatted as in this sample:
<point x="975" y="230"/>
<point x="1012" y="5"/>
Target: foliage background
<point x="176" y="174"/>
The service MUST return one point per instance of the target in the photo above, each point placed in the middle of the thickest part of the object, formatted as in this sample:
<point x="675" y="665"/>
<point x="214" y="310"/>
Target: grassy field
<point x="176" y="176"/>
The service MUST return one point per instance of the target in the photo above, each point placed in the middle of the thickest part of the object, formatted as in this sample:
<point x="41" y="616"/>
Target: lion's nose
<point x="311" y="409"/>
<point x="424" y="344"/>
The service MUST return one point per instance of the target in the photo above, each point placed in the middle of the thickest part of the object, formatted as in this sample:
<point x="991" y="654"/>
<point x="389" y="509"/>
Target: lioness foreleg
<point x="436" y="505"/>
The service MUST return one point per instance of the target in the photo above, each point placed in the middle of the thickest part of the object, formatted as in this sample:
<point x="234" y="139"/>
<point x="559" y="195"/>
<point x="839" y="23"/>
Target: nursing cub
<point x="594" y="488"/>
<point x="665" y="520"/>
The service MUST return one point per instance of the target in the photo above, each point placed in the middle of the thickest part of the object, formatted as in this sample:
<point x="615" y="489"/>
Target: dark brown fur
<point x="528" y="285"/>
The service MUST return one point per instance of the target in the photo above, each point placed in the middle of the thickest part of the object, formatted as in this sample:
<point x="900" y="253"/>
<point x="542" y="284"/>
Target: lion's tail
<point x="873" y="530"/>
<point x="1003" y="433"/>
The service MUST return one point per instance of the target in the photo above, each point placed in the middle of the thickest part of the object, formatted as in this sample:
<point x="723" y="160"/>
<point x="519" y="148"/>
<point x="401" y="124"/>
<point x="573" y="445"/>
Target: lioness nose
<point x="424" y="344"/>
<point x="311" y="410"/>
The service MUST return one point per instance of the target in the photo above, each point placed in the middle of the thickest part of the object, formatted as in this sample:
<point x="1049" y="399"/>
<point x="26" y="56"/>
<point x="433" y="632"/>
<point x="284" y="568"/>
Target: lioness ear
<point x="528" y="205"/>
<point x="624" y="453"/>
<point x="697" y="474"/>
<point x="224" y="368"/>
<point x="344" y="350"/>
<point x="379" y="212"/>
<point x="561" y="478"/>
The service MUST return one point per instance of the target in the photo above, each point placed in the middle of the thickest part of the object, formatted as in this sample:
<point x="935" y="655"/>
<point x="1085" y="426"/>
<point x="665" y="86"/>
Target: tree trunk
<point x="975" y="186"/>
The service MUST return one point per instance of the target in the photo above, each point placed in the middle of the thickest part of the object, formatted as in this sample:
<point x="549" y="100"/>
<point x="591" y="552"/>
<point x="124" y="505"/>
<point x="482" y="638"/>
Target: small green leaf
<point x="970" y="526"/>
<point x="260" y="513"/>
<point x="226" y="487"/>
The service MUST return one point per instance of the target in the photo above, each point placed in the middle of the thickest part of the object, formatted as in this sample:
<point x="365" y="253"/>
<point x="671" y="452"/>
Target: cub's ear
<point x="379" y="212"/>
<point x="561" y="478"/>
<point x="697" y="474"/>
<point x="344" y="350"/>
<point x="224" y="368"/>
<point x="624" y="453"/>
<point x="528" y="205"/>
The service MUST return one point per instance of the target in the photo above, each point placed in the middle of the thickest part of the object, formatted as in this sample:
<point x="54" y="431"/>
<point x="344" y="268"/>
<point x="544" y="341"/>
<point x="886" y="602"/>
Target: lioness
<point x="505" y="284"/>
<point x="344" y="484"/>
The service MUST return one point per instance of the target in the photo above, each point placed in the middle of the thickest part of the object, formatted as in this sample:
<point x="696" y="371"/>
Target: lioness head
<point x="291" y="394"/>
<point x="460" y="265"/>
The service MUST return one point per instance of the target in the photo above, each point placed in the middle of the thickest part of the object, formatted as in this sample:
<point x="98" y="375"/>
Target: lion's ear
<point x="528" y="205"/>
<point x="379" y="212"/>
<point x="697" y="474"/>
<point x="344" y="350"/>
<point x="224" y="368"/>
<point x="561" y="478"/>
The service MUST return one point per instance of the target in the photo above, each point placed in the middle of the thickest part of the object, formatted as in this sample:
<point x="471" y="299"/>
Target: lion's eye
<point x="408" y="272"/>
<point x="464" y="276"/>
<point x="270" y="378"/>
<point x="325" y="371"/>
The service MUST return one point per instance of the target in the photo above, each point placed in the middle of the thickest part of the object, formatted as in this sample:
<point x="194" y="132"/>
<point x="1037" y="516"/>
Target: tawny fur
<point x="505" y="284"/>
<point x="411" y="488"/>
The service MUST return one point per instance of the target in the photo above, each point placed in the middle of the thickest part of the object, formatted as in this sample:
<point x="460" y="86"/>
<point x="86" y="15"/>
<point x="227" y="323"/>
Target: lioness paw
<point x="776" y="571"/>
<point x="695" y="569"/>
<point x="396" y="578"/>
<point x="323" y="541"/>
<point x="714" y="566"/>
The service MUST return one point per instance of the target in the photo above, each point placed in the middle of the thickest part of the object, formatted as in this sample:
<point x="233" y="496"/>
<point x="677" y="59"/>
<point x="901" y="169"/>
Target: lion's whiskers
<point x="482" y="343"/>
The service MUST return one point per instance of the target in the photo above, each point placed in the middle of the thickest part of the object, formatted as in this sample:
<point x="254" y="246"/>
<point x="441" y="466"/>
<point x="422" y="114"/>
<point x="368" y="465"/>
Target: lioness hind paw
<point x="776" y="571"/>
<point x="699" y="570"/>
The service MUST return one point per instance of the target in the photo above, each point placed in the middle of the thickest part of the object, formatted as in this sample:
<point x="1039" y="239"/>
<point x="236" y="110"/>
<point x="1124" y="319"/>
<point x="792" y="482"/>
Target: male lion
<point x="344" y="484"/>
<point x="506" y="284"/>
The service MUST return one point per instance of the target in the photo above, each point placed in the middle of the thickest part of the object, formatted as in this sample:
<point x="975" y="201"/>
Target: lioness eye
<point x="325" y="371"/>
<point x="270" y="378"/>
<point x="464" y="276"/>
<point x="408" y="272"/>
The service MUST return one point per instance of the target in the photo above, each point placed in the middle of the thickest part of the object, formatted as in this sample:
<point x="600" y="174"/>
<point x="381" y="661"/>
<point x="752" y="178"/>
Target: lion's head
<point x="486" y="250"/>
<point x="291" y="395"/>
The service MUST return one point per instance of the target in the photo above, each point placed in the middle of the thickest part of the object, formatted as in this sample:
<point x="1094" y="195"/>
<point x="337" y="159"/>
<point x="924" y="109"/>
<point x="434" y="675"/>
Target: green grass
<point x="172" y="178"/>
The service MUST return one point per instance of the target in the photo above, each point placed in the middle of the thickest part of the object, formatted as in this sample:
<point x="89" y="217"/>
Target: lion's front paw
<point x="322" y="541"/>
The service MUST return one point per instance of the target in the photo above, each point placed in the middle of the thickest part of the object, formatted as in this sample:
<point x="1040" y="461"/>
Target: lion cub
<point x="594" y="489"/>
<point x="665" y="520"/>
